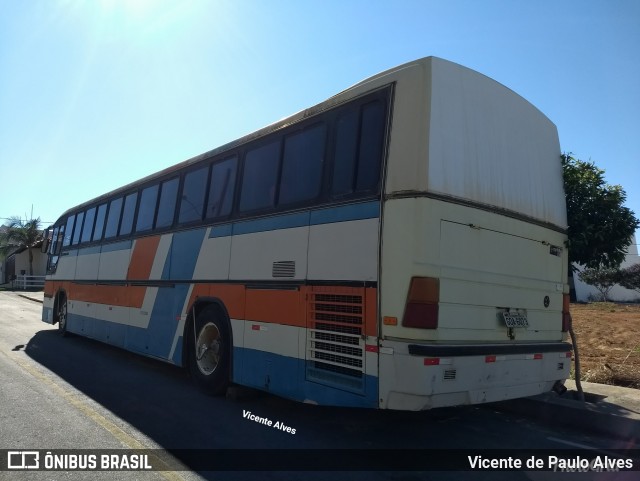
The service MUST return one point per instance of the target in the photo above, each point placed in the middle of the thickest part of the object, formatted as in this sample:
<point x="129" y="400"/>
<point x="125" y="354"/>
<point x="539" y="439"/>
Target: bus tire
<point x="210" y="353"/>
<point x="62" y="315"/>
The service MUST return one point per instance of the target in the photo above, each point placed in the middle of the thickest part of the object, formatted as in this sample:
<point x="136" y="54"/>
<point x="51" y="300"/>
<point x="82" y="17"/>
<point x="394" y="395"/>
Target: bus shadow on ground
<point x="161" y="402"/>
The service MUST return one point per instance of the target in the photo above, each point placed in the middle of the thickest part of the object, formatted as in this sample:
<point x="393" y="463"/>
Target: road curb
<point x="598" y="417"/>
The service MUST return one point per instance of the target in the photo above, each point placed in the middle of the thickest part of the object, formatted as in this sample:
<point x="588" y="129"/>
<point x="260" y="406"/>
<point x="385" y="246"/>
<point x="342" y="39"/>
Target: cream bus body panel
<point x="477" y="279"/>
<point x="477" y="276"/>
<point x="473" y="198"/>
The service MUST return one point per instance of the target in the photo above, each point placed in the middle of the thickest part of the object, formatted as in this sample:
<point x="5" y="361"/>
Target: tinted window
<point x="127" y="214"/>
<point x="77" y="230"/>
<point x="167" y="206"/>
<point x="147" y="208"/>
<point x="223" y="180"/>
<point x="115" y="207"/>
<point x="371" y="137"/>
<point x="97" y="230"/>
<point x="68" y="231"/>
<point x="192" y="201"/>
<point x="259" y="177"/>
<point x="358" y="154"/>
<point x="87" y="230"/>
<point x="302" y="164"/>
<point x="346" y="150"/>
<point x="54" y="240"/>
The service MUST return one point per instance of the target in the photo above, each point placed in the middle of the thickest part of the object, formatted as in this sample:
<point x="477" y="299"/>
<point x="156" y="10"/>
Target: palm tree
<point x="19" y="234"/>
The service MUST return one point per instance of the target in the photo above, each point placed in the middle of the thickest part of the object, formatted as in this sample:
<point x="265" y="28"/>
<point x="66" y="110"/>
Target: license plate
<point x="515" y="320"/>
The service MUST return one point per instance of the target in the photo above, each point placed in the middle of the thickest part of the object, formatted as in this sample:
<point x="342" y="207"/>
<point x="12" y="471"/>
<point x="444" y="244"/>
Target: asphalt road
<point x="75" y="393"/>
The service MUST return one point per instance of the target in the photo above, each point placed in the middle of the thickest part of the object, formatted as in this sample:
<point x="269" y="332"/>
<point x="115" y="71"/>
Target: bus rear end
<point x="473" y="282"/>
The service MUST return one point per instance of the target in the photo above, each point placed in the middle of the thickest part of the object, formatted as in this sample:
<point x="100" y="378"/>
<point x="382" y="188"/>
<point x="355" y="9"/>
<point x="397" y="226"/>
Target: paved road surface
<point x="77" y="393"/>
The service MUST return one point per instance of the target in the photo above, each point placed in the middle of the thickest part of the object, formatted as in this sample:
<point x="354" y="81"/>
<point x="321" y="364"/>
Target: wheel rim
<point x="208" y="347"/>
<point x="62" y="316"/>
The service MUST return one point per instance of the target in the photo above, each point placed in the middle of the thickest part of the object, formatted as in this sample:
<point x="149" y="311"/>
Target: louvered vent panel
<point x="335" y="345"/>
<point x="284" y="269"/>
<point x="449" y="375"/>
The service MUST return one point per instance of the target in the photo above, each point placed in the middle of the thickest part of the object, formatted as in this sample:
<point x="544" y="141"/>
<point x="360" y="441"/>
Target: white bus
<point x="398" y="246"/>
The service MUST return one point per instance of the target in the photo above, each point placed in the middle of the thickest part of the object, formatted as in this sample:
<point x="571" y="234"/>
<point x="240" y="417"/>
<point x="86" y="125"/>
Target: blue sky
<point x="95" y="94"/>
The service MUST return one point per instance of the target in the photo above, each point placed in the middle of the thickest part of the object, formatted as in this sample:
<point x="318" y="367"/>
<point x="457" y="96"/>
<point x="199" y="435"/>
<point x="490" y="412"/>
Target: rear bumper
<point x="424" y="376"/>
<point x="486" y="349"/>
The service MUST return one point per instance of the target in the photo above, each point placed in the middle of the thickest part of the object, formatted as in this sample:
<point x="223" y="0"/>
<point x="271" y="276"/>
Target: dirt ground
<point x="608" y="342"/>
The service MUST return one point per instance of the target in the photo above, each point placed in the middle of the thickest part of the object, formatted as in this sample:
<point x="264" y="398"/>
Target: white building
<point x="585" y="292"/>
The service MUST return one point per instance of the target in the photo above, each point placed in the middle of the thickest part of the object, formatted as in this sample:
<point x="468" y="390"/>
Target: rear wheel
<point x="209" y="356"/>
<point x="62" y="316"/>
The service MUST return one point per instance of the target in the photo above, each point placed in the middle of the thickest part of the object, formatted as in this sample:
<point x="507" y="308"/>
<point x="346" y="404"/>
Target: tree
<point x="600" y="227"/>
<point x="602" y="279"/>
<point x="630" y="277"/>
<point x="19" y="234"/>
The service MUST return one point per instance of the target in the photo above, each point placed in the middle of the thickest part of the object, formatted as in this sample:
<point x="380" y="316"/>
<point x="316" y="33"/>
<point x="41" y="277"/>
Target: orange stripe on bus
<point x="277" y="306"/>
<point x="287" y="307"/>
<point x="371" y="311"/>
<point x="231" y="295"/>
<point x="142" y="258"/>
<point x="121" y="296"/>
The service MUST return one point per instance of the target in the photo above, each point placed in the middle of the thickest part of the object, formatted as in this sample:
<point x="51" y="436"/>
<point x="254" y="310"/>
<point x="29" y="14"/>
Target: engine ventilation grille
<point x="284" y="269"/>
<point x="335" y="343"/>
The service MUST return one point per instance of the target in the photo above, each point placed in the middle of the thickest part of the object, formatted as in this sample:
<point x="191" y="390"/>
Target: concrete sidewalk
<point x="612" y="411"/>
<point x="609" y="410"/>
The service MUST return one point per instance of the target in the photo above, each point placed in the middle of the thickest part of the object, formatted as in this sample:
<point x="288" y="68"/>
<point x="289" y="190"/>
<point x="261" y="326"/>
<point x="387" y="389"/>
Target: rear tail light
<point x="566" y="315"/>
<point x="421" y="310"/>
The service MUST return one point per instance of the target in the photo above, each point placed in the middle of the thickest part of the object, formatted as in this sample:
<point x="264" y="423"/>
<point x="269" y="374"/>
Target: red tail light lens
<point x="421" y="309"/>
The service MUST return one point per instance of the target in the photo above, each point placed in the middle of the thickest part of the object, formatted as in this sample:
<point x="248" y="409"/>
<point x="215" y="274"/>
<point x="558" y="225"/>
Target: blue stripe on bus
<point x="117" y="246"/>
<point x="167" y="309"/>
<point x="366" y="210"/>
<point x="221" y="231"/>
<point x="280" y="375"/>
<point x="285" y="376"/>
<point x="114" y="246"/>
<point x="89" y="250"/>
<point x="287" y="221"/>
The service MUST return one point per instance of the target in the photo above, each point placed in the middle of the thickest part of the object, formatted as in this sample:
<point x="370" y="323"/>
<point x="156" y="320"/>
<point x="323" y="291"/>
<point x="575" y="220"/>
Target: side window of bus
<point x="167" y="205"/>
<point x="358" y="152"/>
<point x="78" y="229"/>
<point x="193" y="192"/>
<point x="113" y="219"/>
<point x="128" y="213"/>
<point x="371" y="142"/>
<point x="221" y="187"/>
<point x="87" y="230"/>
<point x="259" y="177"/>
<point x="147" y="208"/>
<point x="54" y="240"/>
<point x="68" y="231"/>
<point x="302" y="165"/>
<point x="345" y="154"/>
<point x="100" y="217"/>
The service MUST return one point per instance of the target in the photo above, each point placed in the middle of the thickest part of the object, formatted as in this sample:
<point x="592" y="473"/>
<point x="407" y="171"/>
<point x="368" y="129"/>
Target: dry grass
<point x="609" y="342"/>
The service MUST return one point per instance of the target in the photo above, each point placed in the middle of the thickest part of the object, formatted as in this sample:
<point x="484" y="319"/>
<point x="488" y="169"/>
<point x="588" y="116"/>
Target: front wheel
<point x="209" y="356"/>
<point x="62" y="316"/>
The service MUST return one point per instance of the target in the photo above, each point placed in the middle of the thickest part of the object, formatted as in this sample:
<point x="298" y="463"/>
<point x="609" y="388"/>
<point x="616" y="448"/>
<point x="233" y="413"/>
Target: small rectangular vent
<point x="449" y="375"/>
<point x="335" y="345"/>
<point x="284" y="269"/>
